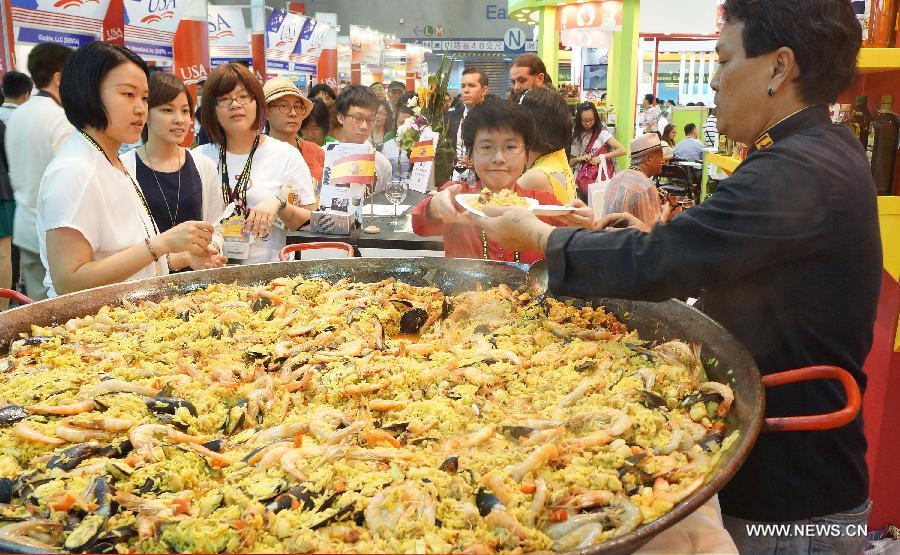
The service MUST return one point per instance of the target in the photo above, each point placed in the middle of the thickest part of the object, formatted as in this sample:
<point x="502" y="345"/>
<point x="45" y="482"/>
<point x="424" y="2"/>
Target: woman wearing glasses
<point x="498" y="137"/>
<point x="591" y="144"/>
<point x="253" y="168"/>
<point x="286" y="110"/>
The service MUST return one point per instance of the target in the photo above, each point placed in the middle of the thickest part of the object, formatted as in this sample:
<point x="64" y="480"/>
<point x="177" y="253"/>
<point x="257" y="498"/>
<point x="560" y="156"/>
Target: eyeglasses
<point x="369" y="121"/>
<point x="509" y="150"/>
<point x="286" y="108"/>
<point x="586" y="105"/>
<point x="241" y="99"/>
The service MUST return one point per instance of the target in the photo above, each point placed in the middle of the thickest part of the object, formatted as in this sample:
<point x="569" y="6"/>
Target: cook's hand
<point x="208" y="259"/>
<point x="191" y="236"/>
<point x="614" y="221"/>
<point x="260" y="219"/>
<point x="582" y="216"/>
<point x="443" y="206"/>
<point x="514" y="227"/>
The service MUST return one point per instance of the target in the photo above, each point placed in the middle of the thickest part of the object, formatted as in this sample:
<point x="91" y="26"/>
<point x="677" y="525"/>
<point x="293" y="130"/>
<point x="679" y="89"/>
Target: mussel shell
<point x="485" y="501"/>
<point x="261" y="303"/>
<point x="413" y="320"/>
<point x="119" y="470"/>
<point x="215" y="445"/>
<point x="347" y="512"/>
<point x="450" y="464"/>
<point x="265" y="488"/>
<point x="10" y="414"/>
<point x="215" y="332"/>
<point x="117" y="534"/>
<point x="446" y="308"/>
<point x="698" y="397"/>
<point x="517" y="432"/>
<point x="586" y="365"/>
<point x="483" y="329"/>
<point x="168" y="405"/>
<point x="301" y="495"/>
<point x="650" y="400"/>
<point x="235" y="418"/>
<point x="184" y="315"/>
<point x="6" y="490"/>
<point x="397" y="427"/>
<point x="70" y="457"/>
<point x="85" y="533"/>
<point x="711" y="439"/>
<point x="37" y="340"/>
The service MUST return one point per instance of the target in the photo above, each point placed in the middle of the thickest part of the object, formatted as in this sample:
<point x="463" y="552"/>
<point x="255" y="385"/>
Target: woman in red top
<point x="286" y="109"/>
<point x="498" y="136"/>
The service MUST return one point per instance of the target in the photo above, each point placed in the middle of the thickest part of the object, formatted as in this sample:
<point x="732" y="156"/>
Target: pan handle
<point x="827" y="421"/>
<point x="15" y="296"/>
<point x="317" y="245"/>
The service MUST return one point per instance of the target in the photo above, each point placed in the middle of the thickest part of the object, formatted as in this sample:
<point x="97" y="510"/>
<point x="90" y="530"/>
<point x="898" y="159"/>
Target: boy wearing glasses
<point x="497" y="137"/>
<point x="356" y="108"/>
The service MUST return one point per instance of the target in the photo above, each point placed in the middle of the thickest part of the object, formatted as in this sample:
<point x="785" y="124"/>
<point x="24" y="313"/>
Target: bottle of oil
<point x="863" y="119"/>
<point x="882" y="149"/>
<point x="846" y="118"/>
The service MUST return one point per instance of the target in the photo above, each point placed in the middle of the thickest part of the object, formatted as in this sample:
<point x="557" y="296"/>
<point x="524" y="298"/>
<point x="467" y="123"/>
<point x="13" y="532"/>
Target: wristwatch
<point x="282" y="205"/>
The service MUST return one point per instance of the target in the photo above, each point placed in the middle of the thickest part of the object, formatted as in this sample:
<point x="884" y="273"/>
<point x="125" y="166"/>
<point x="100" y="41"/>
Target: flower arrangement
<point x="428" y="112"/>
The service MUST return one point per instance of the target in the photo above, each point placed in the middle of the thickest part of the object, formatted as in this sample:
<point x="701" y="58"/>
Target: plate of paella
<point x="475" y="202"/>
<point x="307" y="416"/>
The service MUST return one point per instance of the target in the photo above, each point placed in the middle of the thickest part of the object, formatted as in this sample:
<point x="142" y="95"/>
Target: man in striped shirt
<point x="711" y="130"/>
<point x="632" y="190"/>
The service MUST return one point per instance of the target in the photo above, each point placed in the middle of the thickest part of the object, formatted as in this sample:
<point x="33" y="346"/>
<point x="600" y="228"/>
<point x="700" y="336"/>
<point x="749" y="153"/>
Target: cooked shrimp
<point x="141" y="505"/>
<point x="576" y="394"/>
<point x="538" y="502"/>
<point x="24" y="431"/>
<point x="361" y="389"/>
<point x="481" y="436"/>
<point x="583" y="443"/>
<point x="589" y="499"/>
<point x="724" y="391"/>
<point x="535" y="461"/>
<point x="377" y="436"/>
<point x="34" y="533"/>
<point x="493" y="480"/>
<point x="62" y="410"/>
<point x="504" y="519"/>
<point x="76" y="435"/>
<point x="271" y="455"/>
<point x="118" y="386"/>
<point x="675" y="441"/>
<point x="107" y="424"/>
<point x="401" y="503"/>
<point x="386" y="405"/>
<point x="142" y="437"/>
<point x="280" y="431"/>
<point x="340" y="435"/>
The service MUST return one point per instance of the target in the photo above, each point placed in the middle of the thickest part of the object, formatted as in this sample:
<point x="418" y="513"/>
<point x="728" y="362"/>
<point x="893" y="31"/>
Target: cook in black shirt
<point x="787" y="253"/>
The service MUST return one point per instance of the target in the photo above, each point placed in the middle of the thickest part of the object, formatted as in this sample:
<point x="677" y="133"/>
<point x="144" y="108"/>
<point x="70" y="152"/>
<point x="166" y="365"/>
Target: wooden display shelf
<point x="726" y="163"/>
<point x="878" y="59"/>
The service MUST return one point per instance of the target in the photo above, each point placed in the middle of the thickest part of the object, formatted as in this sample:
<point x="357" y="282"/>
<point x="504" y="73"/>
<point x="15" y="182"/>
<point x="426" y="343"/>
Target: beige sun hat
<point x="279" y="87"/>
<point x="643" y="144"/>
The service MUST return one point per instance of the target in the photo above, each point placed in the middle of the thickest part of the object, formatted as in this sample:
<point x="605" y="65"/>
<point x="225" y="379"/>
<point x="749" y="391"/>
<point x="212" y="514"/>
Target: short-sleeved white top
<point x="81" y="190"/>
<point x="273" y="163"/>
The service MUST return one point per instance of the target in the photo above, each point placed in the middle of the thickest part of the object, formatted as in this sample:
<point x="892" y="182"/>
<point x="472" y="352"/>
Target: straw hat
<point x="645" y="143"/>
<point x="279" y="87"/>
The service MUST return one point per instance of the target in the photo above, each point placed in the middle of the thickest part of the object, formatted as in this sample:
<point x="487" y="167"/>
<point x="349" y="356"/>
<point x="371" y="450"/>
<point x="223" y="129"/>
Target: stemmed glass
<point x="395" y="192"/>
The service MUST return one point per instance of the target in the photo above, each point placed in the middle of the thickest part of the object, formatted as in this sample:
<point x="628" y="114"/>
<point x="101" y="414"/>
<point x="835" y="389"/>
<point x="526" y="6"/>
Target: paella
<point x="306" y="416"/>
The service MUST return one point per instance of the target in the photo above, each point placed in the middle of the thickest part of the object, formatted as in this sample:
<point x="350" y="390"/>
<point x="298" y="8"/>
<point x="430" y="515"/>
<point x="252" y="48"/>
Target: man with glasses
<point x="473" y="89"/>
<point x="286" y="108"/>
<point x="356" y="107"/>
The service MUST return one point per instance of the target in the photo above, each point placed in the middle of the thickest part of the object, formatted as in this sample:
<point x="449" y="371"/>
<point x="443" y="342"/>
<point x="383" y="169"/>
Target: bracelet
<point x="151" y="249"/>
<point x="169" y="264"/>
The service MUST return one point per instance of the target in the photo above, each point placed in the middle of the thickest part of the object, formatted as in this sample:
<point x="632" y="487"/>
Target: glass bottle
<point x="846" y="118"/>
<point x="882" y="23"/>
<point x="863" y="119"/>
<point x="882" y="149"/>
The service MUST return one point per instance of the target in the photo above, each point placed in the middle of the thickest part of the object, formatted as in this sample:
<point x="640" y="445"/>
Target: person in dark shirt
<point x="787" y="252"/>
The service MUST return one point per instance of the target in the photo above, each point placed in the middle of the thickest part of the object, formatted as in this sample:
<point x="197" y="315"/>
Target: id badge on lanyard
<point x="236" y="240"/>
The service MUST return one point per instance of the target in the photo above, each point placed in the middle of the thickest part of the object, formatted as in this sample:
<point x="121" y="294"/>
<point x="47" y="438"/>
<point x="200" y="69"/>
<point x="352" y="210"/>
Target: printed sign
<point x="605" y="15"/>
<point x="349" y="168"/>
<point x="66" y="16"/>
<point x="282" y="34"/>
<point x="227" y="32"/>
<point x="152" y="21"/>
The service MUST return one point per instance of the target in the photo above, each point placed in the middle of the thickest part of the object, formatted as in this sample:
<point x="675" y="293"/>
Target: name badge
<point x="236" y="241"/>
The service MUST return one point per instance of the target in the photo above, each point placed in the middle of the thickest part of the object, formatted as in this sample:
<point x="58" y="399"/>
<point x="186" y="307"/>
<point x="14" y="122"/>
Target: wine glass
<point x="395" y="192"/>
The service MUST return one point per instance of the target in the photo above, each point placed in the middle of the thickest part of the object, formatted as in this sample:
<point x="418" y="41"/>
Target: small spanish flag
<point x="356" y="168"/>
<point x="423" y="151"/>
<point x="764" y="142"/>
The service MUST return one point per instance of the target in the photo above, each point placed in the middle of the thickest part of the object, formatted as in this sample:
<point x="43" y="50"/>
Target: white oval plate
<point x="464" y="200"/>
<point x="552" y="210"/>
